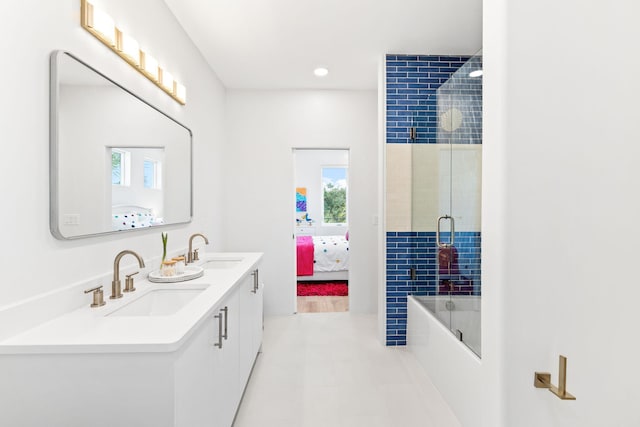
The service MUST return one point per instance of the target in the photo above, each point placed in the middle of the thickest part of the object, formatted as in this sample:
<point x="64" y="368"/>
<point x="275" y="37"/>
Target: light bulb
<point x="167" y="80"/>
<point x="103" y="24"/>
<point x="130" y="47"/>
<point x="150" y="65"/>
<point x="181" y="92"/>
<point x="321" y="72"/>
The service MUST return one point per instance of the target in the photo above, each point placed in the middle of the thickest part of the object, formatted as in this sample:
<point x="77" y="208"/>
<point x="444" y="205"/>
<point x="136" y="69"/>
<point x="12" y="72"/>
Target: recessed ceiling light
<point x="475" y="73"/>
<point x="321" y="71"/>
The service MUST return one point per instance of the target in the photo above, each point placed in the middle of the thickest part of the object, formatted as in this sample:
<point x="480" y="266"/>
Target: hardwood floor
<point x="322" y="304"/>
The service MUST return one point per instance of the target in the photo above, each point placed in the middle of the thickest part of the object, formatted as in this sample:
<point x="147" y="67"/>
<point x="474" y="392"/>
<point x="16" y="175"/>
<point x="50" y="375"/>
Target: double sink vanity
<point x="168" y="354"/>
<point x="176" y="353"/>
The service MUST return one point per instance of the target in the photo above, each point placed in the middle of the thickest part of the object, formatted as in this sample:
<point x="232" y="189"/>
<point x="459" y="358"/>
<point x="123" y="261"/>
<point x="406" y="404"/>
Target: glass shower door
<point x="446" y="252"/>
<point x="460" y="129"/>
<point x="446" y="195"/>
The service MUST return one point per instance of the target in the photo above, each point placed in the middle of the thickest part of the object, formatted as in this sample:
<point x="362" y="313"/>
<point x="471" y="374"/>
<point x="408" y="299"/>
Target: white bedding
<point x="331" y="253"/>
<point x="126" y="217"/>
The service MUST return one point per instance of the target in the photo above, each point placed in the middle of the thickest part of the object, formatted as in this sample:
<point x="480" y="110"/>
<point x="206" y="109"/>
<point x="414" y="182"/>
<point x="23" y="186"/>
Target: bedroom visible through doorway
<point x="321" y="229"/>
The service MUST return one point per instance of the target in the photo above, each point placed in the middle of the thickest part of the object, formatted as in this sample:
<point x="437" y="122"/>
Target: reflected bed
<point x="126" y="217"/>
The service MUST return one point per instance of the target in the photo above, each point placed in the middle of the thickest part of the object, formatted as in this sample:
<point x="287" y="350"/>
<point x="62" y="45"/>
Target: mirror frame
<point x="54" y="141"/>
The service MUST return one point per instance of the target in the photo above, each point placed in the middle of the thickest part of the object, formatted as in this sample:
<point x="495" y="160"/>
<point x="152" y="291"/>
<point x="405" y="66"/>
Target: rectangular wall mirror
<point x="118" y="163"/>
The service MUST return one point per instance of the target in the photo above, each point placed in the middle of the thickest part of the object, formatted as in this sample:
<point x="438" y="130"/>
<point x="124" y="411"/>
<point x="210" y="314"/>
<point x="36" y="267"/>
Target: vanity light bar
<point x="102" y="27"/>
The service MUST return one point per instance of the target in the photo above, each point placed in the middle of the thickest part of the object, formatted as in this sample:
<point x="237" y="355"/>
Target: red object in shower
<point x="448" y="260"/>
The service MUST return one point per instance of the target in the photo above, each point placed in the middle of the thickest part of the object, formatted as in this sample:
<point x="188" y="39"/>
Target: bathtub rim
<point x="439" y="324"/>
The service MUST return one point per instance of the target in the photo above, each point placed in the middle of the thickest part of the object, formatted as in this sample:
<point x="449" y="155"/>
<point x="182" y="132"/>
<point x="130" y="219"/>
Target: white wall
<point x="308" y="174"/>
<point x="264" y="126"/>
<point x="494" y="202"/>
<point x="35" y="262"/>
<point x="561" y="193"/>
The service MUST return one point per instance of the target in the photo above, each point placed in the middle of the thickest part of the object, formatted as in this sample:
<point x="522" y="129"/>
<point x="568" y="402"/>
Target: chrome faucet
<point x="116" y="291"/>
<point x="193" y="255"/>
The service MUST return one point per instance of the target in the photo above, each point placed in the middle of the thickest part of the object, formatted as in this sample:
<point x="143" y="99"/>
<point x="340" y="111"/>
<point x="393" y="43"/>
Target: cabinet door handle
<point x="254" y="274"/>
<point x="226" y="321"/>
<point x="256" y="281"/>
<point x="219" y="343"/>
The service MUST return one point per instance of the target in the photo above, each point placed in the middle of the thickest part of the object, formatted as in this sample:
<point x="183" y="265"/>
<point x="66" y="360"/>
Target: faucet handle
<point x="195" y="255"/>
<point x="98" y="296"/>
<point x="128" y="282"/>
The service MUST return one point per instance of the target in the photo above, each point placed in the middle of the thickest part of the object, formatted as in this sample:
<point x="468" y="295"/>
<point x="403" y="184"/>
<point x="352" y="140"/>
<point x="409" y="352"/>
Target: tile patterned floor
<point x="329" y="370"/>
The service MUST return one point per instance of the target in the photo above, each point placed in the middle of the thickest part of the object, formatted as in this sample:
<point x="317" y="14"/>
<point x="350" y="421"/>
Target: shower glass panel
<point x="446" y="195"/>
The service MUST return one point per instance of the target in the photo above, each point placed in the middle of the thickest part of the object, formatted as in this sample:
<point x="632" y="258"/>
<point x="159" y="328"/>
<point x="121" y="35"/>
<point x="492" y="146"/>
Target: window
<point x="120" y="169"/>
<point x="334" y="185"/>
<point x="152" y="174"/>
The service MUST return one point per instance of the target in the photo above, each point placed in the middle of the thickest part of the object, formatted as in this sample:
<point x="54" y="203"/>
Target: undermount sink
<point x="159" y="302"/>
<point x="222" y="263"/>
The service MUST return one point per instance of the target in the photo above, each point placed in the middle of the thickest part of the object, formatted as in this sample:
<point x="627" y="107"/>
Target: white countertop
<point x="92" y="330"/>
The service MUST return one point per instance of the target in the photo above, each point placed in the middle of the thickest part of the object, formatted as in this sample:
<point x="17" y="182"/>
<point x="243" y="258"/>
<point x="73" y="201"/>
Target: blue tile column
<point x="419" y="250"/>
<point x="412" y="82"/>
<point x="404" y="251"/>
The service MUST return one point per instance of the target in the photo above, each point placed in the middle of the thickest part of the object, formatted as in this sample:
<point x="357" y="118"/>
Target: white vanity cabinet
<point x="183" y="370"/>
<point x="212" y="371"/>
<point x="250" y="295"/>
<point x="207" y="386"/>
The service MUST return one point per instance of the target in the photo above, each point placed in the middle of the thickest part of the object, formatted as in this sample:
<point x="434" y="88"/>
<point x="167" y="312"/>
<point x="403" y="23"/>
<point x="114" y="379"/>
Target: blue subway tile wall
<point x="460" y="105"/>
<point x="412" y="82"/>
<point x="419" y="250"/>
<point x="421" y="90"/>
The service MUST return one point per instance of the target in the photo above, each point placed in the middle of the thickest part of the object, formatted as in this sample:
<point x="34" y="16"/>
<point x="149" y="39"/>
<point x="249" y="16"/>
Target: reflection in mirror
<point x="137" y="195"/>
<point x="117" y="163"/>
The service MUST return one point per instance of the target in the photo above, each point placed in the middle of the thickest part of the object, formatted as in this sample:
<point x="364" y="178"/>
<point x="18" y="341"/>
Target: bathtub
<point x="452" y="366"/>
<point x="461" y="313"/>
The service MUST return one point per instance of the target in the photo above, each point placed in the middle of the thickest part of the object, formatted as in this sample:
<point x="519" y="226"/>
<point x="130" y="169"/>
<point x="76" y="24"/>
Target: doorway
<point x="321" y="230"/>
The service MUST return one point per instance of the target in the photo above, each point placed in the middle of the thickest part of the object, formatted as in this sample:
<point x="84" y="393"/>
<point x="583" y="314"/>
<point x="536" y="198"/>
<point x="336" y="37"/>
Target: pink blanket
<point x="304" y="249"/>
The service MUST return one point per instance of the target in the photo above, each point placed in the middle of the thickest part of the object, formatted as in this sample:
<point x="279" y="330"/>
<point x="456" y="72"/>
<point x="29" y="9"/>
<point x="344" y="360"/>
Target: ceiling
<point x="276" y="44"/>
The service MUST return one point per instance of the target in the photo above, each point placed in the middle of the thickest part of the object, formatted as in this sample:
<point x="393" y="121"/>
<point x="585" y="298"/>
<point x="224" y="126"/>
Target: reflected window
<point x="334" y="200"/>
<point x="120" y="167"/>
<point x="152" y="174"/>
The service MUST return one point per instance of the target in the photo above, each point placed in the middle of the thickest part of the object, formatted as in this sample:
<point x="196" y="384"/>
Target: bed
<point x="126" y="217"/>
<point x="322" y="258"/>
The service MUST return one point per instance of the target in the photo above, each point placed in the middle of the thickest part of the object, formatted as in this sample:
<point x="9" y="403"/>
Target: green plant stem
<point x="164" y="247"/>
